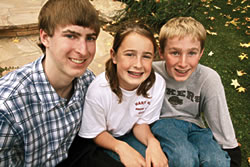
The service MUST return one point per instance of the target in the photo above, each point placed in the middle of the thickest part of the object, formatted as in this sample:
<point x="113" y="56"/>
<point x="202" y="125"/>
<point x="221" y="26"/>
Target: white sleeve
<point x="93" y="118"/>
<point x="216" y="113"/>
<point x="154" y="109"/>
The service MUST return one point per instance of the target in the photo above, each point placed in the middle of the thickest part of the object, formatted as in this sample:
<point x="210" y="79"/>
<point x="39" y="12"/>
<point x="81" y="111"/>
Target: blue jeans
<point x="132" y="141"/>
<point x="186" y="144"/>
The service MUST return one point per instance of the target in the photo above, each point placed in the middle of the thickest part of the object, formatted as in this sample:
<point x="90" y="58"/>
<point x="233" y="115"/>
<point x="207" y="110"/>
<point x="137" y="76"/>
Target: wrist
<point x="119" y="145"/>
<point x="153" y="141"/>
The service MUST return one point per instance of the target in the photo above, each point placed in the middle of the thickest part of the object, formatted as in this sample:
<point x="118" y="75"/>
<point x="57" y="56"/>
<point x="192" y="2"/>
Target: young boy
<point x="41" y="104"/>
<point x="192" y="90"/>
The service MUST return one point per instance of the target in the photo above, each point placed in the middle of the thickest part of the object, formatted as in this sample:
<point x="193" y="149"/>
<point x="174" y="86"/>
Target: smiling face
<point x="69" y="51"/>
<point x="134" y="60"/>
<point x="182" y="56"/>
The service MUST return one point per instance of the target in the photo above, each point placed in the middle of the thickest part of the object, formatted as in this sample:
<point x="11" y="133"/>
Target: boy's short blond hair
<point x="181" y="27"/>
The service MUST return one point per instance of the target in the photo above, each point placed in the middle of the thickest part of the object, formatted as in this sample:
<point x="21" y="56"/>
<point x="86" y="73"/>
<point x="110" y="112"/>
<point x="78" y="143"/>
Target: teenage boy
<point x="193" y="90"/>
<point x="41" y="104"/>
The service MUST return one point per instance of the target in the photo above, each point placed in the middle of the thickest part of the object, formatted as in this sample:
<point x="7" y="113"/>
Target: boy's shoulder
<point x="206" y="72"/>
<point x="15" y="81"/>
<point x="205" y="76"/>
<point x="159" y="66"/>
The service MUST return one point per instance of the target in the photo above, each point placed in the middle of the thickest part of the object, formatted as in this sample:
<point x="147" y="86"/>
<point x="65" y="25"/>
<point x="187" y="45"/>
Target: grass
<point x="215" y="16"/>
<point x="226" y="48"/>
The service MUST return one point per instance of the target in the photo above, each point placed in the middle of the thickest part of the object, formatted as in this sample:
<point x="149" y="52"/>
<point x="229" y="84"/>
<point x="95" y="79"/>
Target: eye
<point x="91" y="38"/>
<point x="192" y="53"/>
<point x="148" y="56"/>
<point x="175" y="53"/>
<point x="70" y="36"/>
<point x="129" y="54"/>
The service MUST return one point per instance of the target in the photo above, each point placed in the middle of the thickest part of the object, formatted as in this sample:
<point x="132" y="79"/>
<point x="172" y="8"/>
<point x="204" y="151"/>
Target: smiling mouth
<point x="135" y="73"/>
<point x="182" y="71"/>
<point x="77" y="61"/>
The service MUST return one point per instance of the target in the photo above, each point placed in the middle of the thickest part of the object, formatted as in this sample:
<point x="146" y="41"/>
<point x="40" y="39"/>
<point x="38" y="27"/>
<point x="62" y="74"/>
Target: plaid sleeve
<point x="10" y="150"/>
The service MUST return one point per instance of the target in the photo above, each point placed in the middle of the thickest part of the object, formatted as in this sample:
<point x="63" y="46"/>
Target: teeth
<point x="135" y="73"/>
<point x="77" y="61"/>
<point x="182" y="71"/>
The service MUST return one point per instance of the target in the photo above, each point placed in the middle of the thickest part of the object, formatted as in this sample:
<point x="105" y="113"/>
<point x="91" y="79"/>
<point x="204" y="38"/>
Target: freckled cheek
<point x="148" y="66"/>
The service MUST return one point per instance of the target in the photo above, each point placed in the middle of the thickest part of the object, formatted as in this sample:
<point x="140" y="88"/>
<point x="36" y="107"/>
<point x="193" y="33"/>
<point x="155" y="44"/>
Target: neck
<point x="65" y="92"/>
<point x="62" y="84"/>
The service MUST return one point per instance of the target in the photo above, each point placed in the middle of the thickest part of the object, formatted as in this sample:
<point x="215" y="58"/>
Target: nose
<point x="81" y="47"/>
<point x="183" y="61"/>
<point x="138" y="62"/>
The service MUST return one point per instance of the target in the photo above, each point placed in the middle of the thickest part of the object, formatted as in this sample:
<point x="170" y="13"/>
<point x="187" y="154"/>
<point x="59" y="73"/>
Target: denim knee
<point x="182" y="157"/>
<point x="215" y="160"/>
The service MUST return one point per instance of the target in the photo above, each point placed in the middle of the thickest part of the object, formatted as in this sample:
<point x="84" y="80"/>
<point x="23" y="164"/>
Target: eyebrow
<point x="130" y="50"/>
<point x="78" y="34"/>
<point x="174" y="48"/>
<point x="72" y="32"/>
<point x="148" y="53"/>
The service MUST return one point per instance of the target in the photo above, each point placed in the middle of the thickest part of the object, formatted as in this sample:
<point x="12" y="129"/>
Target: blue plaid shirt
<point x="37" y="126"/>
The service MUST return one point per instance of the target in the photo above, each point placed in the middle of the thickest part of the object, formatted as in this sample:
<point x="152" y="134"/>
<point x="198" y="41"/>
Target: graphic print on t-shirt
<point x="176" y="96"/>
<point x="141" y="105"/>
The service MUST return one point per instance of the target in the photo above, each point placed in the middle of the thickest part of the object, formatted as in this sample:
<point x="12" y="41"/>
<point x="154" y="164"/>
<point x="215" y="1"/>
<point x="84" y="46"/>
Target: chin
<point x="80" y="73"/>
<point x="181" y="79"/>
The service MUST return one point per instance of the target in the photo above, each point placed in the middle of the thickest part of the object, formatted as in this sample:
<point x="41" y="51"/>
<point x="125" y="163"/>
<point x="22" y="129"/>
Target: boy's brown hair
<point x="111" y="69"/>
<point x="181" y="27"/>
<point x="56" y="13"/>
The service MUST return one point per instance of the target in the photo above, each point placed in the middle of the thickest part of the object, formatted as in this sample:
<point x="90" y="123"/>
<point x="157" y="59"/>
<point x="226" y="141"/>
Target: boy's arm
<point x="84" y="152"/>
<point x="235" y="155"/>
<point x="10" y="150"/>
<point x="218" y="117"/>
<point x="128" y="155"/>
<point x="154" y="153"/>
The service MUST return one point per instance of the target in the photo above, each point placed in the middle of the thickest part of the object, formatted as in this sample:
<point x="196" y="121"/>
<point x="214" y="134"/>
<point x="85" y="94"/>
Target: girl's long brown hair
<point x="111" y="69"/>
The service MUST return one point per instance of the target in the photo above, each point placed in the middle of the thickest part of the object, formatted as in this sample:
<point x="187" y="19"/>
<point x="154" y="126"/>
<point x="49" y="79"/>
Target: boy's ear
<point x="113" y="55"/>
<point x="161" y="54"/>
<point x="201" y="53"/>
<point x="44" y="37"/>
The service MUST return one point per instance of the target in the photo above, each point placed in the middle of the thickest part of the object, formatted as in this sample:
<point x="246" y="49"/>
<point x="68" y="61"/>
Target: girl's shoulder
<point x="99" y="86"/>
<point x="159" y="80"/>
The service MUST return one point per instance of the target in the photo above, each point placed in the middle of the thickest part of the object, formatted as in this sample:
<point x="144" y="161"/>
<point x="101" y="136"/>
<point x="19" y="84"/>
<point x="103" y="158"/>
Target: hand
<point x="155" y="157"/>
<point x="129" y="156"/>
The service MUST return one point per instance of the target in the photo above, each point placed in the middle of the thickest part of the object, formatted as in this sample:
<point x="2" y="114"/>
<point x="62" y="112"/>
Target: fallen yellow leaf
<point x="210" y="53"/>
<point x="234" y="22"/>
<point x="15" y="40"/>
<point x="241" y="89"/>
<point x="235" y="83"/>
<point x="229" y="2"/>
<point x="243" y="1"/>
<point x="211" y="33"/>
<point x="216" y="7"/>
<point x="241" y="73"/>
<point x="243" y="56"/>
<point x="245" y="45"/>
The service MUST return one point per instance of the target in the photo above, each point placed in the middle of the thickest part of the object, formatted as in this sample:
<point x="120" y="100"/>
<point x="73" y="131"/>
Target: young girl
<point x="127" y="96"/>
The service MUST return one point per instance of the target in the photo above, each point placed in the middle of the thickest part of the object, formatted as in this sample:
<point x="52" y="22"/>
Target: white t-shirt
<point x="102" y="112"/>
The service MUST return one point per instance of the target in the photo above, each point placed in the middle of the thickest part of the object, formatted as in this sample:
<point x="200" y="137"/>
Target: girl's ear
<point x="113" y="56"/>
<point x="44" y="37"/>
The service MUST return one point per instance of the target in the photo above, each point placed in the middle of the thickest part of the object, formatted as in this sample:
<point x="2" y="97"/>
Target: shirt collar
<point x="47" y="94"/>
